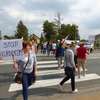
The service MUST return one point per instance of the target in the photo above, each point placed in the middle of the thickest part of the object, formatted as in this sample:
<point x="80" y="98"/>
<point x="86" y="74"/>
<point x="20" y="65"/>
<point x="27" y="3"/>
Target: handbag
<point x="33" y="75"/>
<point x="18" y="75"/>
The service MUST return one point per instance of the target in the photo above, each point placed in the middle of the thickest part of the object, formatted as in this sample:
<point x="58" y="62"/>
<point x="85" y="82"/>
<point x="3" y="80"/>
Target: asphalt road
<point x="51" y="92"/>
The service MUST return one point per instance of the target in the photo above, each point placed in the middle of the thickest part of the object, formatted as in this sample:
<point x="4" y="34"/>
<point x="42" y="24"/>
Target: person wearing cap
<point x="69" y="67"/>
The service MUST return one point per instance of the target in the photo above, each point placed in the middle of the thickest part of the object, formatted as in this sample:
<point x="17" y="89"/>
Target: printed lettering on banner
<point x="9" y="48"/>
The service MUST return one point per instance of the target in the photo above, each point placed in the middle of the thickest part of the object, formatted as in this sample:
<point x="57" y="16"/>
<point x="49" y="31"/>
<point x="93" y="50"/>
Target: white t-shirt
<point x="22" y="63"/>
<point x="44" y="45"/>
<point x="54" y="46"/>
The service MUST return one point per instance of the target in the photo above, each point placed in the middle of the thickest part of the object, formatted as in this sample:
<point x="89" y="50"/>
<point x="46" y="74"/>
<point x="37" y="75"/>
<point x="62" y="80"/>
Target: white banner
<point x="9" y="47"/>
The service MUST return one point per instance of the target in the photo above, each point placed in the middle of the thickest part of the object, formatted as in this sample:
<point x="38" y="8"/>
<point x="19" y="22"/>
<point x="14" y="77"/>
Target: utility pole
<point x="58" y="22"/>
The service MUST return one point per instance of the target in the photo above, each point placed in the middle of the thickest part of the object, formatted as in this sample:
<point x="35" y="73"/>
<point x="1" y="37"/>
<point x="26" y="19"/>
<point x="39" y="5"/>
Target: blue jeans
<point x="26" y="82"/>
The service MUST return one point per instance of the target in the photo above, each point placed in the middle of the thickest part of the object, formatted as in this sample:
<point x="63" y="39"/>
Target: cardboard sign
<point x="9" y="48"/>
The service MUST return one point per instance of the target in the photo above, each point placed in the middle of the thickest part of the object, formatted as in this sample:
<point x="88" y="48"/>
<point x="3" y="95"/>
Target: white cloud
<point x="84" y="13"/>
<point x="21" y="14"/>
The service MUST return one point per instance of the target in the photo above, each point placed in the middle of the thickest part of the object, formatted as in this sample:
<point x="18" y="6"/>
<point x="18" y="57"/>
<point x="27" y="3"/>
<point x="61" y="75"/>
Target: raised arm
<point x="15" y="64"/>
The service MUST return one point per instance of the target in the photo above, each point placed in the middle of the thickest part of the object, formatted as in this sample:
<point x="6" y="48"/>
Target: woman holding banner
<point x="25" y="65"/>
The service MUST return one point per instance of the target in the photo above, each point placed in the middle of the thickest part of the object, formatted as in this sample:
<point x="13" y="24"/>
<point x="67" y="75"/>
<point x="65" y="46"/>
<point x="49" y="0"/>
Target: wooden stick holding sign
<point x="15" y="65"/>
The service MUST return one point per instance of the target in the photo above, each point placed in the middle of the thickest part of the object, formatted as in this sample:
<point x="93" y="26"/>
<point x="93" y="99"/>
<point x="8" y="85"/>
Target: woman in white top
<point x="27" y="77"/>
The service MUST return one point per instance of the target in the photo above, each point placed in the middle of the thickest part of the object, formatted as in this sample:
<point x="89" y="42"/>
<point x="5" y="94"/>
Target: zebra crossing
<point x="89" y="57"/>
<point x="48" y="74"/>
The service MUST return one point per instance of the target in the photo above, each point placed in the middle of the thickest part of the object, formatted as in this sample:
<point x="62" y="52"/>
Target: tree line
<point x="51" y="31"/>
<point x="21" y="32"/>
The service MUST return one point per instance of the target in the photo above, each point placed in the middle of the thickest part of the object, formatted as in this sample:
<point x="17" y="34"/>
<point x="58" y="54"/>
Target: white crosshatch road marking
<point x="52" y="72"/>
<point x="52" y="82"/>
<point x="48" y="72"/>
<point x="45" y="62"/>
<point x="47" y="66"/>
<point x="97" y="56"/>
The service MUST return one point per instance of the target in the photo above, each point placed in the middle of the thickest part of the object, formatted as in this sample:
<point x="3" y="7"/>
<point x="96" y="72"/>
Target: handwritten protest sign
<point x="9" y="47"/>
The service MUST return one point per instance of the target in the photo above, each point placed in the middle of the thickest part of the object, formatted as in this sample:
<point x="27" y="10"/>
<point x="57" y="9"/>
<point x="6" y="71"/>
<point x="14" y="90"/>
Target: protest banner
<point x="9" y="48"/>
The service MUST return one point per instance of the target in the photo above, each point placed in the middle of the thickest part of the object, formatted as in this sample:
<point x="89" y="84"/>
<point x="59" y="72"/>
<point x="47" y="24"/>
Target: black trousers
<point x="70" y="74"/>
<point x="75" y="59"/>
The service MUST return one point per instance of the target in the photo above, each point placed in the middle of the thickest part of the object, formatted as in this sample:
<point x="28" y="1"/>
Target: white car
<point x="89" y="46"/>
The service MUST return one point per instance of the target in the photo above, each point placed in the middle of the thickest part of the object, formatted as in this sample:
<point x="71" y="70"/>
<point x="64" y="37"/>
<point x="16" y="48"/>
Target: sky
<point x="84" y="13"/>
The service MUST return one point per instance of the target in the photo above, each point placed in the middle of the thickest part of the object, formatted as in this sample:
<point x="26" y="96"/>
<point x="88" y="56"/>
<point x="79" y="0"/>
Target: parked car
<point x="89" y="46"/>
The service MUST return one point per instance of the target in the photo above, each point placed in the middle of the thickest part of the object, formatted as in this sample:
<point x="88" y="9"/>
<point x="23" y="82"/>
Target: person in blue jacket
<point x="59" y="53"/>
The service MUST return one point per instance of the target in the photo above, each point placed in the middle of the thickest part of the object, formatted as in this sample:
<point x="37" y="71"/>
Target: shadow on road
<point x="47" y="91"/>
<point x="6" y="77"/>
<point x="15" y="95"/>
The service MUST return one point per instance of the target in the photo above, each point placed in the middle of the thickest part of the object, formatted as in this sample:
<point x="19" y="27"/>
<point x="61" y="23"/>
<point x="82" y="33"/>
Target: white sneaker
<point x="75" y="91"/>
<point x="61" y="88"/>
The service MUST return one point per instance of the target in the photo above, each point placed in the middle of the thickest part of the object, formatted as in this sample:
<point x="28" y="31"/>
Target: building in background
<point x="97" y="41"/>
<point x="35" y="37"/>
<point x="91" y="38"/>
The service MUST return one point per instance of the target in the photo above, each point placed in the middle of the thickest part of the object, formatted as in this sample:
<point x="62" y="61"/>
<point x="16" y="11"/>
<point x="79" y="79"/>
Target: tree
<point x="53" y="31"/>
<point x="69" y="30"/>
<point x="65" y="30"/>
<point x="48" y="29"/>
<point x="8" y="37"/>
<point x="21" y="31"/>
<point x="74" y="32"/>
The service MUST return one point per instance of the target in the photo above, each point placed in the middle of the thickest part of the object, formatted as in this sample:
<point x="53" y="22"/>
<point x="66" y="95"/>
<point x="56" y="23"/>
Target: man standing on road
<point x="59" y="54"/>
<point x="69" y="67"/>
